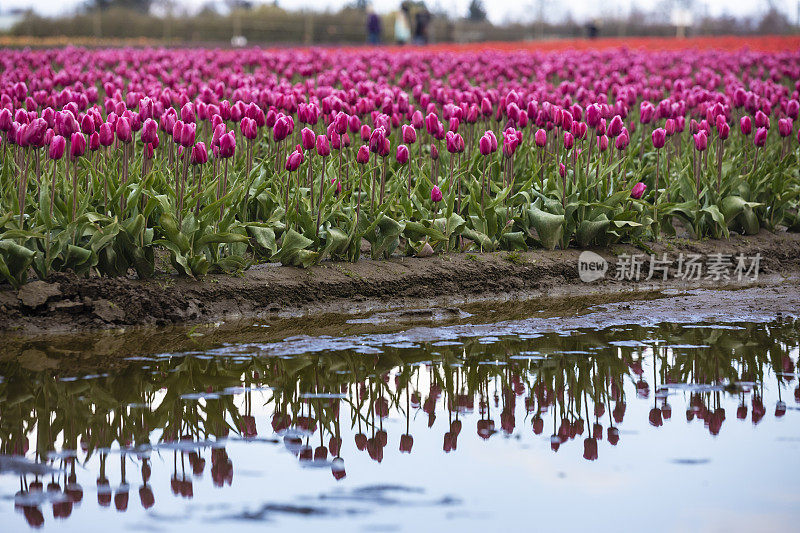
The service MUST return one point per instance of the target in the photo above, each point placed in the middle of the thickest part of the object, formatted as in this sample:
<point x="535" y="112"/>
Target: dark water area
<point x="470" y="427"/>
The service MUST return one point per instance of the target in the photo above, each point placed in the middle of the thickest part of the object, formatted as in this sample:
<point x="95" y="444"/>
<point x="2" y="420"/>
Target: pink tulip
<point x="57" y="146"/>
<point x="402" y="154"/>
<point x="638" y="190"/>
<point x="123" y="130"/>
<point x="746" y="125"/>
<point x="294" y="160"/>
<point x="249" y="128"/>
<point x="700" y="140"/>
<point x="436" y="194"/>
<point x="785" y="127"/>
<point x="409" y="134"/>
<point x="77" y="145"/>
<point x="659" y="137"/>
<point x="540" y="137"/>
<point x="323" y="146"/>
<point x="362" y="157"/>
<point x="94" y="142"/>
<point x="227" y="145"/>
<point x="622" y="140"/>
<point x="149" y="131"/>
<point x="760" y="138"/>
<point x="569" y="140"/>
<point x="485" y="145"/>
<point x="199" y="154"/>
<point x="106" y="134"/>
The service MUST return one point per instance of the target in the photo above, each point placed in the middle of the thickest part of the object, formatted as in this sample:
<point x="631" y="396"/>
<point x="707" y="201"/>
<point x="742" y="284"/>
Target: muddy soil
<point x="449" y="282"/>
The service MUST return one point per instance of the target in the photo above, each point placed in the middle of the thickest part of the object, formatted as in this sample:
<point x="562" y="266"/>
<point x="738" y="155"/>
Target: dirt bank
<point x="67" y="303"/>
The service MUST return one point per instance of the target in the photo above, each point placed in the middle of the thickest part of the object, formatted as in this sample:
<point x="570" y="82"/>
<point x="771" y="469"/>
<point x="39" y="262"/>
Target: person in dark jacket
<point x="374" y="28"/>
<point x="421" y="23"/>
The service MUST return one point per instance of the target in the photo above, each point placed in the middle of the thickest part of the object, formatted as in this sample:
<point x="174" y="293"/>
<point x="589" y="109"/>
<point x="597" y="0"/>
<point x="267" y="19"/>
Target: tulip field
<point x="219" y="159"/>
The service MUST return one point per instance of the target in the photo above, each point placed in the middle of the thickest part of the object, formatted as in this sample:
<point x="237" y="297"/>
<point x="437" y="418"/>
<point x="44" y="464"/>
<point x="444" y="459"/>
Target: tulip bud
<point x="149" y="131"/>
<point x="283" y="128"/>
<point x="294" y="160"/>
<point x="646" y="112"/>
<point x="432" y="123"/>
<point x="57" y="146"/>
<point x="746" y="125"/>
<point x="659" y="138"/>
<point x="409" y="134"/>
<point x="188" y="134"/>
<point x="762" y="120"/>
<point x="376" y="139"/>
<point x="308" y="138"/>
<point x="450" y="142"/>
<point x="436" y="194"/>
<point x="622" y="140"/>
<point x="354" y="123"/>
<point x="402" y="154"/>
<point x="77" y="145"/>
<point x="700" y="140"/>
<point x="340" y="123"/>
<point x="362" y="157"/>
<point x="94" y="142"/>
<point x="638" y="190"/>
<point x="187" y="112"/>
<point x="615" y="127"/>
<point x="365" y="132"/>
<point x="785" y="127"/>
<point x="199" y="154"/>
<point x="485" y="145"/>
<point x="540" y="137"/>
<point x="793" y="109"/>
<point x="248" y="128"/>
<point x="511" y="140"/>
<point x="760" y="138"/>
<point x="227" y="145"/>
<point x="602" y="143"/>
<point x="486" y="107"/>
<point x="106" y="134"/>
<point x="593" y="115"/>
<point x="5" y="120"/>
<point x="569" y="140"/>
<point x="87" y="125"/>
<point x="434" y="152"/>
<point x="323" y="146"/>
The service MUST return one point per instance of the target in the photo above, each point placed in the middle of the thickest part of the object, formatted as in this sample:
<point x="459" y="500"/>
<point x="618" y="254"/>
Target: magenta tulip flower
<point x="57" y="146"/>
<point x="323" y="146"/>
<point x="402" y="154"/>
<point x="659" y="137"/>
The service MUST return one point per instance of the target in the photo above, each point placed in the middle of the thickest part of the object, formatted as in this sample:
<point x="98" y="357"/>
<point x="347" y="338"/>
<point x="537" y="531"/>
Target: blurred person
<point x="374" y="26"/>
<point x="592" y="29"/>
<point x="422" y="21"/>
<point x="402" y="28"/>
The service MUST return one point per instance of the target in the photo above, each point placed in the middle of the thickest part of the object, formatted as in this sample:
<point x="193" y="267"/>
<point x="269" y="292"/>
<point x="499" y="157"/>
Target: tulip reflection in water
<point x="325" y="408"/>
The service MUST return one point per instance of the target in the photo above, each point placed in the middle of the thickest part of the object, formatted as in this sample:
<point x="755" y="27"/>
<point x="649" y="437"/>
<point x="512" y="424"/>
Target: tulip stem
<point x="358" y="200"/>
<point x="657" y="230"/>
<point x="321" y="192"/>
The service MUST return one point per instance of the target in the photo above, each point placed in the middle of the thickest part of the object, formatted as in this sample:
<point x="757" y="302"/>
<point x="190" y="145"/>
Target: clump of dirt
<point x="66" y="302"/>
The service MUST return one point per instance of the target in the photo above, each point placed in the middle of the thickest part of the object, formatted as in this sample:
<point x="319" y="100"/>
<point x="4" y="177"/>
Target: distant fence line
<point x="270" y="25"/>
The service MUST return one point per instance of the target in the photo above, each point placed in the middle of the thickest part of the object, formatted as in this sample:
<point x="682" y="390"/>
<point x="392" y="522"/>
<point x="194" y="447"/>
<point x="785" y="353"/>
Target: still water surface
<point x="470" y="428"/>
